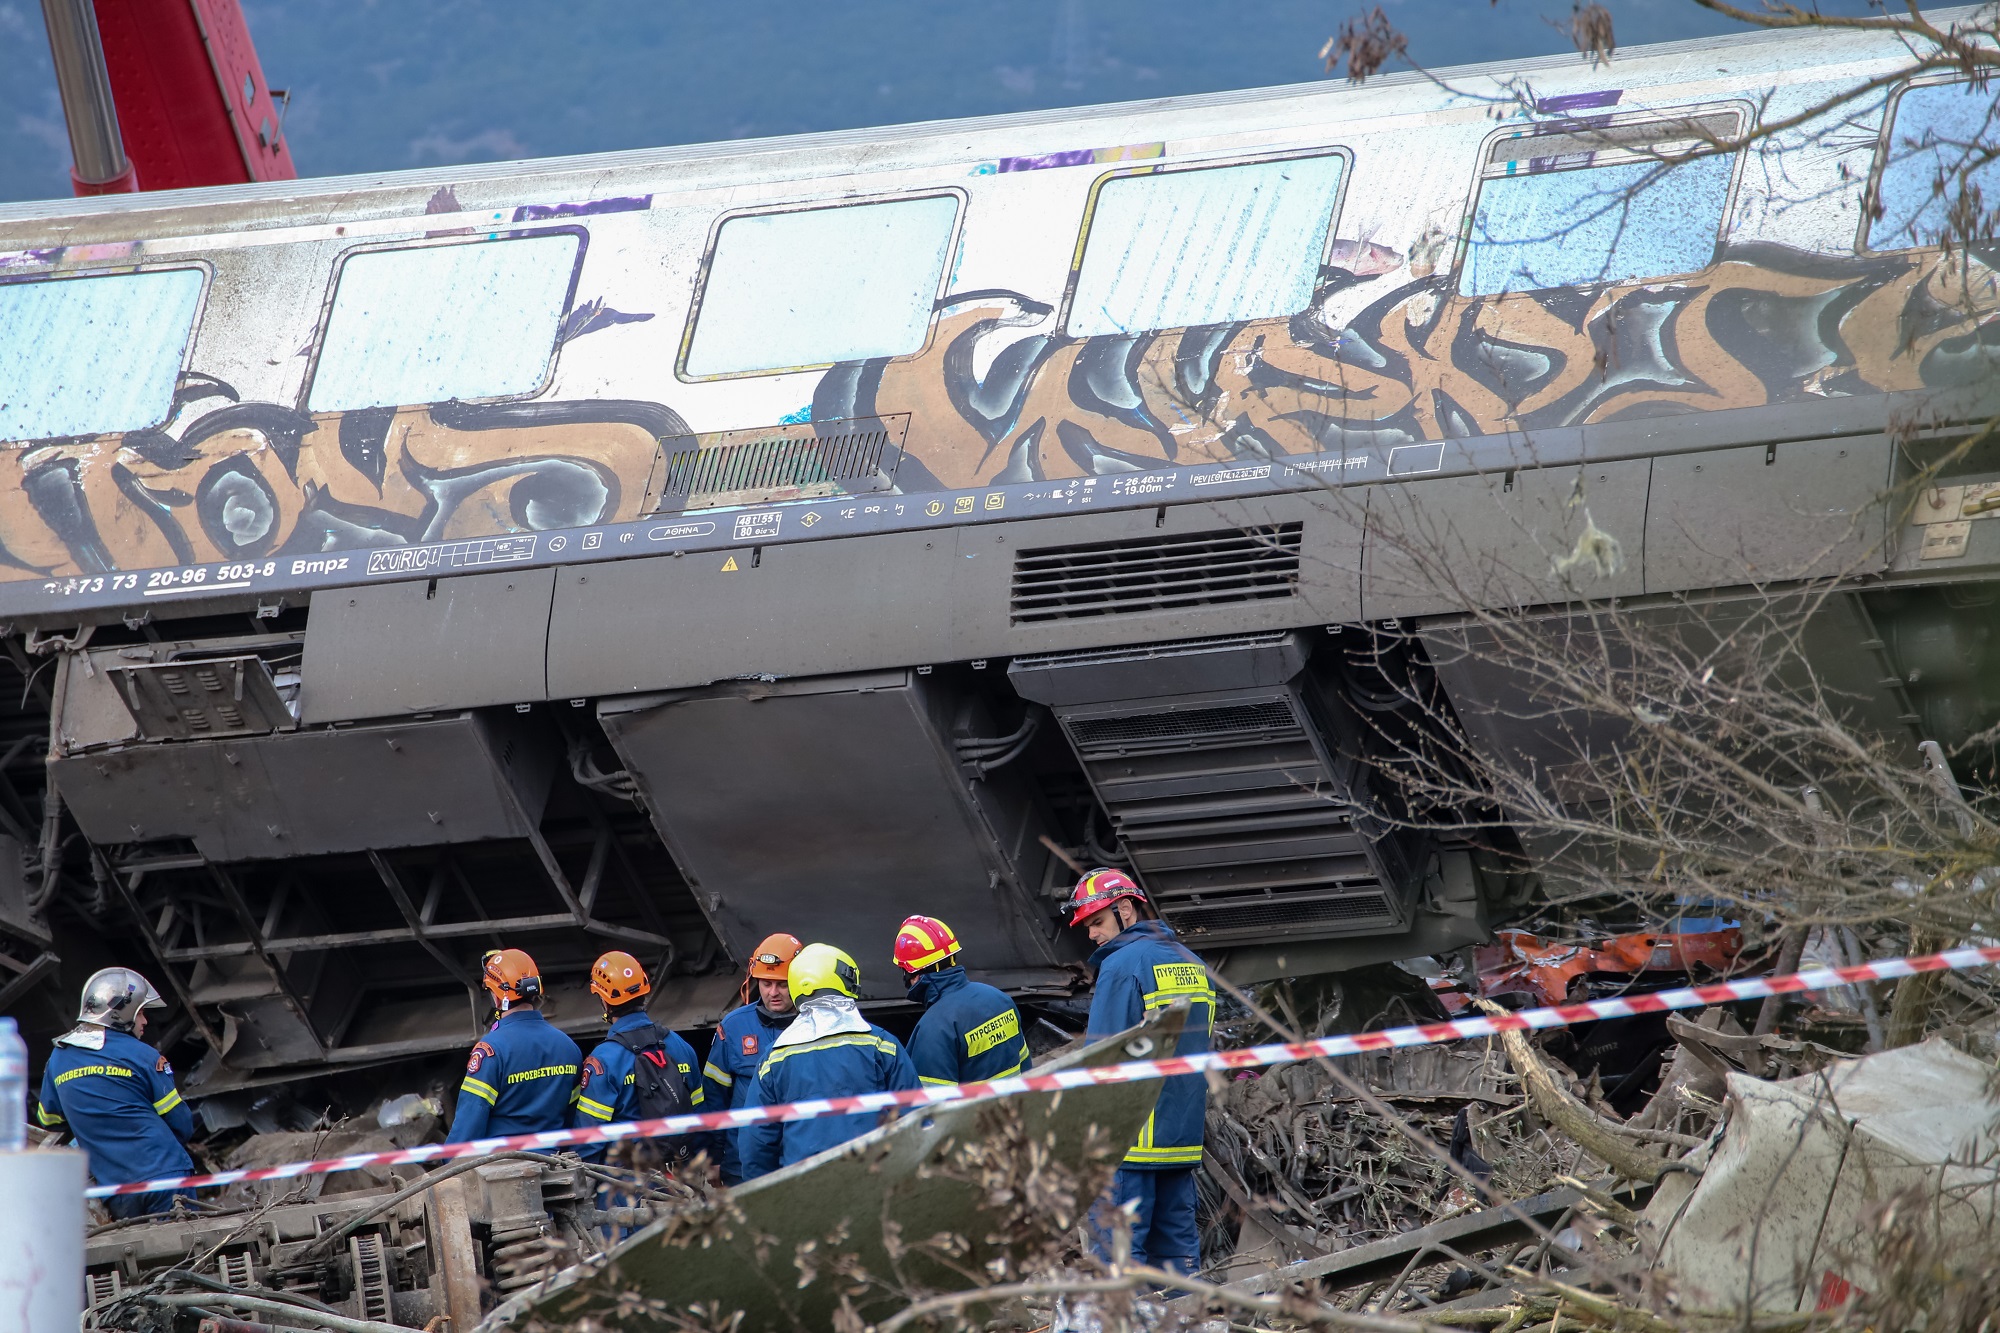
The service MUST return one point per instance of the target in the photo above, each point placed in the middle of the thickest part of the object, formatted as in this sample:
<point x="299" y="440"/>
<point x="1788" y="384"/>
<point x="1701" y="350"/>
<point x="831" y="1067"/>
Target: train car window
<point x="432" y="323"/>
<point x="810" y="287"/>
<point x="1937" y="132"/>
<point x="1203" y="245"/>
<point x="1581" y="203"/>
<point x="90" y="356"/>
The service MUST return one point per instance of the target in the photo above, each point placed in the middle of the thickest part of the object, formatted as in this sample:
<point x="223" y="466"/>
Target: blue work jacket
<point x="519" y="1080"/>
<point x="841" y="1065"/>
<point x="604" y="1090"/>
<point x="1146" y="967"/>
<point x="970" y="1031"/>
<point x="121" y="1104"/>
<point x="729" y="1079"/>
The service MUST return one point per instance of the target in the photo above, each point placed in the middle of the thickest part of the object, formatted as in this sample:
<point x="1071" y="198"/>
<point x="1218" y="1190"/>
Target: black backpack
<point x="655" y="1081"/>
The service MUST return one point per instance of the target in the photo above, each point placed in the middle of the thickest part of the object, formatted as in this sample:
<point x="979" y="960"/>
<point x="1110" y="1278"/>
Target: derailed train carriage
<point x="659" y="549"/>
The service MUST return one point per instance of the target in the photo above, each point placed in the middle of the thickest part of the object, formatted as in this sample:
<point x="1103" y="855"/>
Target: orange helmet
<point x="617" y="977"/>
<point x="1098" y="890"/>
<point x="773" y="959"/>
<point x="923" y="941"/>
<point x="510" y="975"/>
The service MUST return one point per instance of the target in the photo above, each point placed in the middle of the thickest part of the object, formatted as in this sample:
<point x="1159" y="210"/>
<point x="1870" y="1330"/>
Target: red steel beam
<point x="193" y="107"/>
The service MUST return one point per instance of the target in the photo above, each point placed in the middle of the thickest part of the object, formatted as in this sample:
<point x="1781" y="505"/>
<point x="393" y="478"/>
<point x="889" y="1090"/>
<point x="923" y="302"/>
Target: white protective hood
<point x="822" y="1016"/>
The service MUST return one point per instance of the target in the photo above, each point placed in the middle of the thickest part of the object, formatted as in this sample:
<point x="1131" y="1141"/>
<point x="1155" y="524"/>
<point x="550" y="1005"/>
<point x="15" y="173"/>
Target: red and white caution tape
<point x="1251" y="1057"/>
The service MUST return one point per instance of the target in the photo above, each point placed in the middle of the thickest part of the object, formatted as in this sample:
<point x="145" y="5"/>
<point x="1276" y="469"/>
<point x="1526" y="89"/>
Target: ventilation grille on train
<point x="1230" y="721"/>
<point x="1165" y="573"/>
<point x="1233" y="813"/>
<point x="800" y="462"/>
<point x="1350" y="912"/>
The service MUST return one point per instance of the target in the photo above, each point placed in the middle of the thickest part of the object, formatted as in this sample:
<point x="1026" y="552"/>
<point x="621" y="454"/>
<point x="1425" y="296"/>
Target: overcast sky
<point x="383" y="84"/>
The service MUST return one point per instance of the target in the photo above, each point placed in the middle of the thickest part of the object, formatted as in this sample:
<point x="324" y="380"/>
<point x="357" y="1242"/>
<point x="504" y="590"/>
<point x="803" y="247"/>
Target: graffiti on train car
<point x="232" y="480"/>
<point x="1420" y="363"/>
<point x="998" y="398"/>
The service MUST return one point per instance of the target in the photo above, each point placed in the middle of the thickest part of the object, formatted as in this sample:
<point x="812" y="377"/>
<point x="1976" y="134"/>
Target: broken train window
<point x="95" y="355"/>
<point x="1599" y="199"/>
<point x="1167" y="248"/>
<point x="1941" y="143"/>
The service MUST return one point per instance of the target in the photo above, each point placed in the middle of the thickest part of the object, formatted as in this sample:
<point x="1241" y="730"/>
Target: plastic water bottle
<point x="13" y="1088"/>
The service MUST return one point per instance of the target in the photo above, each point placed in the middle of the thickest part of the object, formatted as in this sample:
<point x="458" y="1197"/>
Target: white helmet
<point x="113" y="998"/>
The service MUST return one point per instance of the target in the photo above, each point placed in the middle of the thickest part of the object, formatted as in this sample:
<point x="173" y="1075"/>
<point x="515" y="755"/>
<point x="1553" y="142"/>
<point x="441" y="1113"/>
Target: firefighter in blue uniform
<point x="830" y="1050"/>
<point x="608" y="1090"/>
<point x="970" y="1031"/>
<point x="742" y="1040"/>
<point x="522" y="1077"/>
<point x="1140" y="965"/>
<point x="116" y="1094"/>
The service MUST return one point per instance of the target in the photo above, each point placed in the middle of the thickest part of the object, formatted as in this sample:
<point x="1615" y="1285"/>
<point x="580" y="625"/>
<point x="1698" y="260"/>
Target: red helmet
<point x="1098" y="890"/>
<point x="922" y="942"/>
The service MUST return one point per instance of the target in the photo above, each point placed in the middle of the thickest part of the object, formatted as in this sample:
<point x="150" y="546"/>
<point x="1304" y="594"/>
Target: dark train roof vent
<point x="808" y="461"/>
<point x="1164" y="573"/>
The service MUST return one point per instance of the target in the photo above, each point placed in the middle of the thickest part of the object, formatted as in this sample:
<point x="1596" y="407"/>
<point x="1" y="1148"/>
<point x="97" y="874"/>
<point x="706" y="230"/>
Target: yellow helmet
<point x="821" y="967"/>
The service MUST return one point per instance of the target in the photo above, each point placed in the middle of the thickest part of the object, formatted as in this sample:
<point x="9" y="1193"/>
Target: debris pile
<point x="1302" y="1163"/>
<point x="1722" y="1168"/>
<point x="1771" y="1167"/>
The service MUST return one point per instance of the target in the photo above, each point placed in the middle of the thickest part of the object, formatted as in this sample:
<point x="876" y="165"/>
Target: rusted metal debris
<point x="1535" y="971"/>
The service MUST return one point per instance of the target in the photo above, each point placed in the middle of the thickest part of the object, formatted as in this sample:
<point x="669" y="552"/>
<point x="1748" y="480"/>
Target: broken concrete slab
<point x="785" y="1248"/>
<point x="1774" y="1219"/>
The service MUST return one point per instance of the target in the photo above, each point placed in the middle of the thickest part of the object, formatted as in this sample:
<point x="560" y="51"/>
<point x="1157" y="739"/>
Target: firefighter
<point x="639" y="1071"/>
<point x="970" y="1031"/>
<point x="522" y="1077"/>
<point x="117" y="1094"/>
<point x="1140" y="965"/>
<point x="744" y="1037"/>
<point x="829" y="1050"/>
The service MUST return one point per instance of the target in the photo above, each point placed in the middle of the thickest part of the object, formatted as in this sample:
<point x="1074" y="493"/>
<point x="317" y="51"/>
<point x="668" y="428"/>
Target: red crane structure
<point x="163" y="95"/>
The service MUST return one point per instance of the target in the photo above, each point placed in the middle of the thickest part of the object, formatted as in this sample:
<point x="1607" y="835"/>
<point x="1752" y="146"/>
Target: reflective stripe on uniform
<point x="594" y="1109"/>
<point x="726" y="1079"/>
<point x="829" y="1043"/>
<point x="46" y="1116"/>
<point x="485" y="1092"/>
<point x="168" y="1102"/>
<point x="935" y="1082"/>
<point x="1189" y="1155"/>
<point x="1147" y="1153"/>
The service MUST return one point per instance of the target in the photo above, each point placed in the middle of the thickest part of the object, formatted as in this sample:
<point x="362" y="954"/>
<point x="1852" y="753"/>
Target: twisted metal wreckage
<point x="673" y="547"/>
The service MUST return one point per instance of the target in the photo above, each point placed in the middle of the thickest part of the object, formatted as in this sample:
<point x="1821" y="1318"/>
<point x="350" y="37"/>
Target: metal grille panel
<point x="799" y="462"/>
<point x="1292" y="914"/>
<point x="1165" y="573"/>
<point x="1207" y="725"/>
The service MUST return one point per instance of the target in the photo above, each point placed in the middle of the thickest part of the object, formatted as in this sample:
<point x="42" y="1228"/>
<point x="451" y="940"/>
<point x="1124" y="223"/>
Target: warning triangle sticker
<point x="729" y="566"/>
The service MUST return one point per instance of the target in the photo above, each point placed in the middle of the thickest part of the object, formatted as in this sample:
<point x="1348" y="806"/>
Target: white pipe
<point x="41" y="1240"/>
